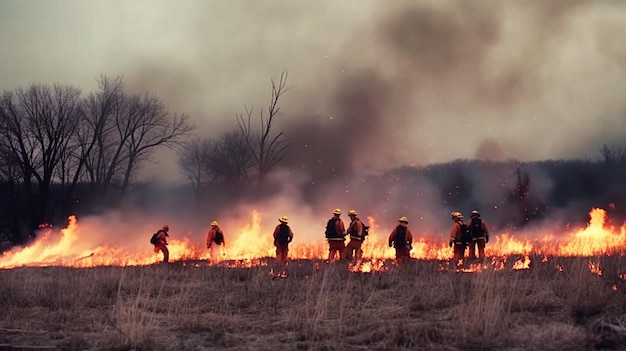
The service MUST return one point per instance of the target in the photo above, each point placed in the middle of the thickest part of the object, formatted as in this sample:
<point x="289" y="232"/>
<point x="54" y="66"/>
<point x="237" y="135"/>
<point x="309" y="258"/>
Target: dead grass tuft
<point x="317" y="306"/>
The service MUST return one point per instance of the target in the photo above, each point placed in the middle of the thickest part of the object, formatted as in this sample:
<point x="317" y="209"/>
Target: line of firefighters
<point x="473" y="235"/>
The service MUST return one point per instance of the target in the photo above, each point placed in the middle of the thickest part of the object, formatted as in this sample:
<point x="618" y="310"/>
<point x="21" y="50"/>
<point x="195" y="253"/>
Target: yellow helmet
<point x="337" y="211"/>
<point x="456" y="215"/>
<point x="403" y="219"/>
<point x="352" y="213"/>
<point x="214" y="224"/>
<point x="284" y="219"/>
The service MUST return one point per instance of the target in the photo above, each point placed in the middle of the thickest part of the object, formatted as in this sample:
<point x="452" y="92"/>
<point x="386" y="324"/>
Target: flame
<point x="519" y="264"/>
<point x="252" y="246"/>
<point x="595" y="268"/>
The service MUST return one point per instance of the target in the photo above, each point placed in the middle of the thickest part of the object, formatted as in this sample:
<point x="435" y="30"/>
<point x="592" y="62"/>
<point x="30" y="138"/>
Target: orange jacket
<point x="277" y="232"/>
<point x="355" y="229"/>
<point x="211" y="236"/>
<point x="341" y="229"/>
<point x="409" y="235"/>
<point x="455" y="232"/>
<point x="162" y="236"/>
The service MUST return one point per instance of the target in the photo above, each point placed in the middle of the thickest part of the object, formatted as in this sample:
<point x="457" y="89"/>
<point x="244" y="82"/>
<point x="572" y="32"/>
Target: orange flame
<point x="251" y="246"/>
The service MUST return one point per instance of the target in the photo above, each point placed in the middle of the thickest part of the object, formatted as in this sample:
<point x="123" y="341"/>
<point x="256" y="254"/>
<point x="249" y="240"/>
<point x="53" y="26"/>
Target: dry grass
<point x="316" y="307"/>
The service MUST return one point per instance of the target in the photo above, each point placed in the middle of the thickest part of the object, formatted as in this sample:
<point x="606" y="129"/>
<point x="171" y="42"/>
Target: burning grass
<point x="310" y="304"/>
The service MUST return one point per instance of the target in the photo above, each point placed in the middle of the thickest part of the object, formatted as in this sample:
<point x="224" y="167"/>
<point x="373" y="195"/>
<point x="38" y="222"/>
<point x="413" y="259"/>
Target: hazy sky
<point x="430" y="81"/>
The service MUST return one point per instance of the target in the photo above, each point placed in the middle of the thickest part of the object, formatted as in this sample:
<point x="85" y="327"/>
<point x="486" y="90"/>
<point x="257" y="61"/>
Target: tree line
<point x="61" y="150"/>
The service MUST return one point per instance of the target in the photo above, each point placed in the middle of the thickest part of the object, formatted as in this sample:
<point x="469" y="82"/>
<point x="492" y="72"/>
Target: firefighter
<point x="456" y="237"/>
<point x="161" y="245"/>
<point x="215" y="242"/>
<point x="401" y="239"/>
<point x="336" y="236"/>
<point x="355" y="231"/>
<point x="282" y="237"/>
<point x="480" y="236"/>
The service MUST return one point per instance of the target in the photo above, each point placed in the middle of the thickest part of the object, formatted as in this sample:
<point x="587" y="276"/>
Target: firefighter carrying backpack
<point x="366" y="230"/>
<point x="283" y="234"/>
<point x="400" y="240"/>
<point x="219" y="237"/>
<point x="477" y="228"/>
<point x="154" y="239"/>
<point x="331" y="229"/>
<point x="466" y="234"/>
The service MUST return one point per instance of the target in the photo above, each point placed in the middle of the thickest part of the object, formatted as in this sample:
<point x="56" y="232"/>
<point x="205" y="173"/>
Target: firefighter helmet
<point x="456" y="215"/>
<point x="475" y="213"/>
<point x="352" y="213"/>
<point x="403" y="219"/>
<point x="214" y="224"/>
<point x="337" y="211"/>
<point x="284" y="219"/>
<point x="166" y="228"/>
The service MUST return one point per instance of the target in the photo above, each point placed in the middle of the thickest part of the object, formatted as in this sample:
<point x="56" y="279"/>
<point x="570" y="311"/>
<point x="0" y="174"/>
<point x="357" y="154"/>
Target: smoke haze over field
<point x="426" y="81"/>
<point x="431" y="81"/>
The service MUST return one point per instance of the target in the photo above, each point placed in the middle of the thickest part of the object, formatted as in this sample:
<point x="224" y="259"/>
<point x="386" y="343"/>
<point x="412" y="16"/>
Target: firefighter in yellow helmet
<point x="401" y="239"/>
<point x="216" y="242"/>
<point x="336" y="236"/>
<point x="353" y="252"/>
<point x="161" y="245"/>
<point x="458" y="237"/>
<point x="282" y="237"/>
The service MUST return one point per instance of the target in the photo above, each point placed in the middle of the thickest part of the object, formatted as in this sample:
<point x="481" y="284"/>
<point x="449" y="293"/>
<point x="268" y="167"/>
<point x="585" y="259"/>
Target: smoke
<point x="374" y="85"/>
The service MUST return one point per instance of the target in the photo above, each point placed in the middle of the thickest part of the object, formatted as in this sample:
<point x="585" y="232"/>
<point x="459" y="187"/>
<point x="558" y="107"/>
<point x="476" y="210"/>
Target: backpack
<point x="366" y="230"/>
<point x="283" y="234"/>
<point x="466" y="235"/>
<point x="154" y="240"/>
<point x="400" y="240"/>
<point x="477" y="228"/>
<point x="331" y="228"/>
<point x="219" y="237"/>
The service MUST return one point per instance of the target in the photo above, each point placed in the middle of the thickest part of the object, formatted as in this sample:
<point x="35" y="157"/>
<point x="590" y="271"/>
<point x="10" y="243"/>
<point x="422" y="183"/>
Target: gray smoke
<point x="374" y="84"/>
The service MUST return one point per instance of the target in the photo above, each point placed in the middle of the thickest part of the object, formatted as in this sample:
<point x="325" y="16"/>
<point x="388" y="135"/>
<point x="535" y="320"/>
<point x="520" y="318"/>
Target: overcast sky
<point x="430" y="81"/>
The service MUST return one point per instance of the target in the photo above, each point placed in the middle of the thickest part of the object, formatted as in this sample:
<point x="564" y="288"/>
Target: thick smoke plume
<point x="374" y="85"/>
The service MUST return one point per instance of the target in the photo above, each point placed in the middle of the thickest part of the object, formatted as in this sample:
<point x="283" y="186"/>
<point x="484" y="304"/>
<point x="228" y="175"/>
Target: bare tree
<point x="613" y="154"/>
<point x="230" y="162"/>
<point x="147" y="126"/>
<point x="267" y="147"/>
<point x="51" y="139"/>
<point x="527" y="206"/>
<point x="121" y="133"/>
<point x="37" y="127"/>
<point x="193" y="163"/>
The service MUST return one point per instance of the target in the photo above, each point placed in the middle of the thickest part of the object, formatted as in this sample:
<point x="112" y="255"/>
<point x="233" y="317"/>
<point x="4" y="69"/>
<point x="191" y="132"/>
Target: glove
<point x="390" y="244"/>
<point x="450" y="243"/>
<point x="487" y="239"/>
<point x="208" y="246"/>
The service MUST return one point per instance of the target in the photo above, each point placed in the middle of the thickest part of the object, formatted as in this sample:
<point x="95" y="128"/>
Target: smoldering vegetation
<point x="316" y="306"/>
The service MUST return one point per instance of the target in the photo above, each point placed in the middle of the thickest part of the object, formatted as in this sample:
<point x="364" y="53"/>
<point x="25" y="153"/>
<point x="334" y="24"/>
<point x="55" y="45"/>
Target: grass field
<point x="558" y="304"/>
